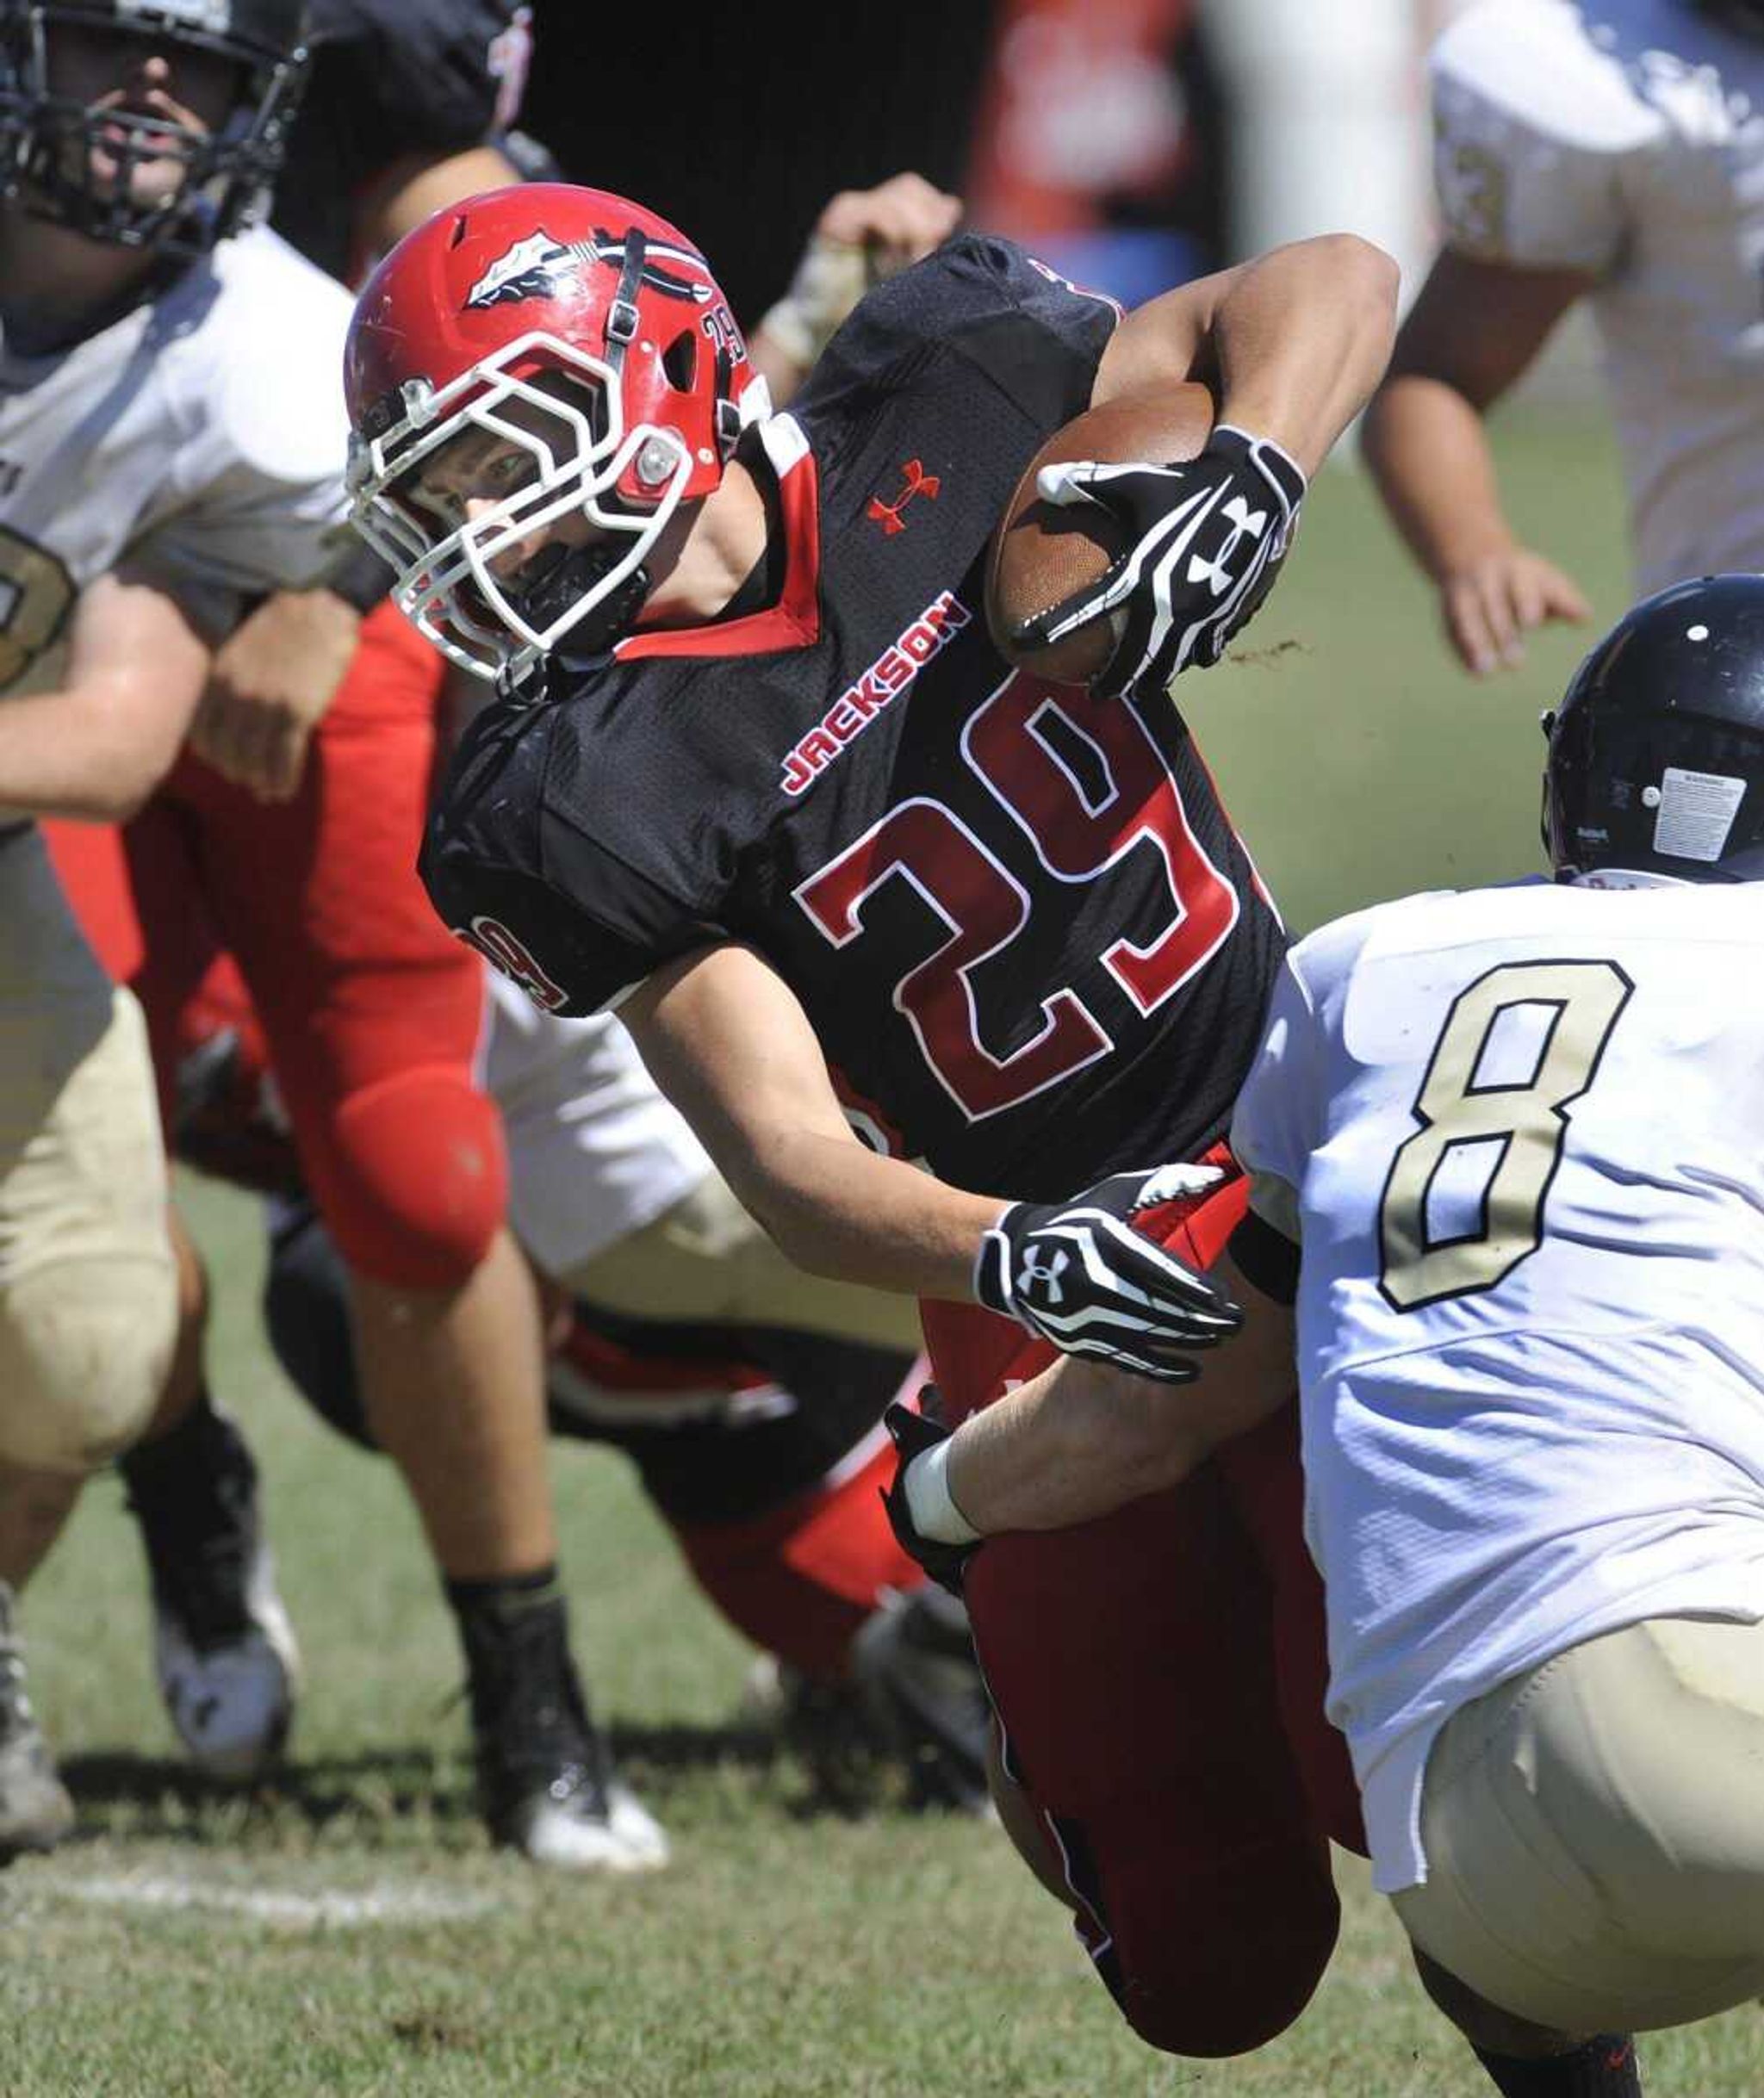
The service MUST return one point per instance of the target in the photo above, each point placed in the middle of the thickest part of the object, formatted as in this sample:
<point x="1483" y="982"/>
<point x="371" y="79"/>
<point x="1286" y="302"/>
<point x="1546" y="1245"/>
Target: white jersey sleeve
<point x="1280" y="1110"/>
<point x="201" y="438"/>
<point x="1533" y="124"/>
<point x="252" y="499"/>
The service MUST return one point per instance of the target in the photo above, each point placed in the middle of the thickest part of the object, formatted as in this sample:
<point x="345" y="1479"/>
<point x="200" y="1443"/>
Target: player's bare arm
<point x="1083" y="1438"/>
<point x="861" y="237"/>
<point x="1473" y="333"/>
<point x="98" y="745"/>
<point x="272" y="680"/>
<point x="1292" y="343"/>
<point x="414" y="187"/>
<point x="1288" y="346"/>
<point x="728" y="1042"/>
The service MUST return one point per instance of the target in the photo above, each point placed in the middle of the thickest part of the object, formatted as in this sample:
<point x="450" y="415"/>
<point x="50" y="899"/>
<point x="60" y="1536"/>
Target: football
<point x="1042" y="553"/>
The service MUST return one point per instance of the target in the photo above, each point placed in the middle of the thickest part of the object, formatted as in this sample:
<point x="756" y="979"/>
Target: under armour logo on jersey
<point x="1039" y="1277"/>
<point x="918" y="482"/>
<point x="1216" y="572"/>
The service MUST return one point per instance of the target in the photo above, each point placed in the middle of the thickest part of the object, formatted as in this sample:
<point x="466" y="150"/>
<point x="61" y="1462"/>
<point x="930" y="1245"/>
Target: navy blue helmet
<point x="1656" y="752"/>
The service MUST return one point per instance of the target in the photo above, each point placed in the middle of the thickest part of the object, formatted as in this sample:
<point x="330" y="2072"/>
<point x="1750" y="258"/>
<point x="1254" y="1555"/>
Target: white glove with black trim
<point x="1207" y="537"/>
<point x="1078" y="1273"/>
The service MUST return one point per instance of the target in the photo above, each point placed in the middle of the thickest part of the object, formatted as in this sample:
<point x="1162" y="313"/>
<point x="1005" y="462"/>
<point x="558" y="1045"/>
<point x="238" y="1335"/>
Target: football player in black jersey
<point x="761" y="781"/>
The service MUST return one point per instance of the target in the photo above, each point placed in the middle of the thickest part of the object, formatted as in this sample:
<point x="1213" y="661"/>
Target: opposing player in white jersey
<point x="144" y="502"/>
<point x="1520" y="1134"/>
<point x="1604" y="151"/>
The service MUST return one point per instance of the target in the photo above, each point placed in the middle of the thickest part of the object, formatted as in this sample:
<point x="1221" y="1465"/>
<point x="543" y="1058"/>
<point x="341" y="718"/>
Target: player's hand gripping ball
<point x="1140" y="540"/>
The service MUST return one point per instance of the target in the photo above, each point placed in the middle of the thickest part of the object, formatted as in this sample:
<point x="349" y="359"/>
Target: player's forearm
<point x="839" y="1210"/>
<point x="82" y="754"/>
<point x="1427" y="449"/>
<point x="1299" y="340"/>
<point x="1074" y="1443"/>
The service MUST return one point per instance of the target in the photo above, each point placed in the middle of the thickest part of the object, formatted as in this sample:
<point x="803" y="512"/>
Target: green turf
<point x="790" y="1952"/>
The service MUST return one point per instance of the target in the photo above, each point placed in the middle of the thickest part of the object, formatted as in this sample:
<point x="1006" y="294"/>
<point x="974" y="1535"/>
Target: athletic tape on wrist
<point x="929" y="1501"/>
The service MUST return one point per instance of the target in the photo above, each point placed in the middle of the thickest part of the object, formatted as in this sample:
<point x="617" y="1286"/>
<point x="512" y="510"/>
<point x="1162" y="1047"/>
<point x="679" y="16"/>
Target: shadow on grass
<point x="122" y="1792"/>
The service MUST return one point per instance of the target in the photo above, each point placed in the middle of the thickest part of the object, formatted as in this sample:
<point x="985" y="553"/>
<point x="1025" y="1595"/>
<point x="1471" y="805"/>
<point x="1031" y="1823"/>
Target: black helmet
<point x="1745" y="15"/>
<point x="1656" y="753"/>
<point x="47" y="139"/>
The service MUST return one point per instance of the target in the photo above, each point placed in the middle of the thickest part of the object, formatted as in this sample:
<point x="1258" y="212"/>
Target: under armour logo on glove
<point x="1216" y="572"/>
<point x="1039" y="1277"/>
<point x="1081" y="1275"/>
<point x="1207" y="539"/>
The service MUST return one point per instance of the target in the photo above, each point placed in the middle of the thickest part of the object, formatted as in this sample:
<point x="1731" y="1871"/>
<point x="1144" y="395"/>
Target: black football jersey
<point x="1031" y="945"/>
<point x="391" y="80"/>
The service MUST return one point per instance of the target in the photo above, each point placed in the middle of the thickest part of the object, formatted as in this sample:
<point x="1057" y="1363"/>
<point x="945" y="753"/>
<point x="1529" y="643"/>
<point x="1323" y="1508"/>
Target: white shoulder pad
<point x="1534" y="114"/>
<point x="274" y="368"/>
<point x="1324" y="960"/>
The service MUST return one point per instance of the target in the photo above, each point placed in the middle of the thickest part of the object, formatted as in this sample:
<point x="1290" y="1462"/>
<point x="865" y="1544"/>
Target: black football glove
<point x="1078" y="1273"/>
<point x="913" y="1433"/>
<point x="1207" y="537"/>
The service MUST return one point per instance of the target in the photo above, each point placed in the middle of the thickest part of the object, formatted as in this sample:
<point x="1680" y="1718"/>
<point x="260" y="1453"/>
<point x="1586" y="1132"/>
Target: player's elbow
<point x="118" y="787"/>
<point x="122" y="757"/>
<point x="1369" y="272"/>
<point x="1365" y="283"/>
<point x="797" y="1232"/>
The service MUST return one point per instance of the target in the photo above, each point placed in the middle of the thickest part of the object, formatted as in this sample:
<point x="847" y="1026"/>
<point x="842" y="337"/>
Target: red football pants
<point x="803" y="1580"/>
<point x="1158" y="1675"/>
<point x="371" y="1010"/>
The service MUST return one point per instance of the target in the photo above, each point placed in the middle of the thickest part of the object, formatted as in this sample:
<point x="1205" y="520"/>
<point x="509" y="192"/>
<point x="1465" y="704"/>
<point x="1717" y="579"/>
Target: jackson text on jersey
<point x="886" y="679"/>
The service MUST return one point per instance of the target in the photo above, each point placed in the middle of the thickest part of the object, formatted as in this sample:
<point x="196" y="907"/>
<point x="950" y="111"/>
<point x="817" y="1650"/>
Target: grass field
<point x="346" y="1931"/>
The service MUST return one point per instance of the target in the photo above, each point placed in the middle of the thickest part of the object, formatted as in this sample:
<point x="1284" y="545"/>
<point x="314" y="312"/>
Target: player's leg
<point x="86" y="1296"/>
<point x="781" y="1520"/>
<point x="1136" y="1664"/>
<point x="705" y="1258"/>
<point x="1132" y="1662"/>
<point x="1591" y="1830"/>
<point x="775" y="1505"/>
<point x="373" y="1014"/>
<point x="225" y="1652"/>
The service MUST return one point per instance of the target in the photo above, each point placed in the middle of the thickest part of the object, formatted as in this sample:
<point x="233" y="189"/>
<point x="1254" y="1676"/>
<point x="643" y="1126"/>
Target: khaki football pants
<point x="1594" y="1831"/>
<point x="706" y="1259"/>
<point x="87" y="1295"/>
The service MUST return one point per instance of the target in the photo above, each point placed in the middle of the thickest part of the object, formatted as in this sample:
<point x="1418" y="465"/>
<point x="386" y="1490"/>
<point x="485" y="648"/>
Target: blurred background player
<point x="1601" y="151"/>
<point x="297" y="819"/>
<point x="748" y="1393"/>
<point x="406" y="106"/>
<point x="143" y="504"/>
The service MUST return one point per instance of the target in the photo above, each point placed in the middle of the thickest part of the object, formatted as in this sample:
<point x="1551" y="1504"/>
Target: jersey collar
<point x="1625" y="878"/>
<point x="794" y="622"/>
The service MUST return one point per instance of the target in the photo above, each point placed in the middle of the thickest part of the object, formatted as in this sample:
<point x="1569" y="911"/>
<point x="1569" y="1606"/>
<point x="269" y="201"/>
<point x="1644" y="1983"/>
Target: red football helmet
<point x="587" y="340"/>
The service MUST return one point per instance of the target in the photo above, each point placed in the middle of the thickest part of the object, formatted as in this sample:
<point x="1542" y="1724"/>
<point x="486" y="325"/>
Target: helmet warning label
<point x="1696" y="813"/>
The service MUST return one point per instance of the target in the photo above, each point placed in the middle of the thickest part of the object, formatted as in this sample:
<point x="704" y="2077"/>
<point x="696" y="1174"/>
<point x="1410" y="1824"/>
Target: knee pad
<point x="84" y="1346"/>
<point x="306" y="1313"/>
<point x="411" y="1178"/>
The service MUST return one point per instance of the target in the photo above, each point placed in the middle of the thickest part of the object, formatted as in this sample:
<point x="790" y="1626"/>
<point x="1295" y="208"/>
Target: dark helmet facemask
<point x="49" y="142"/>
